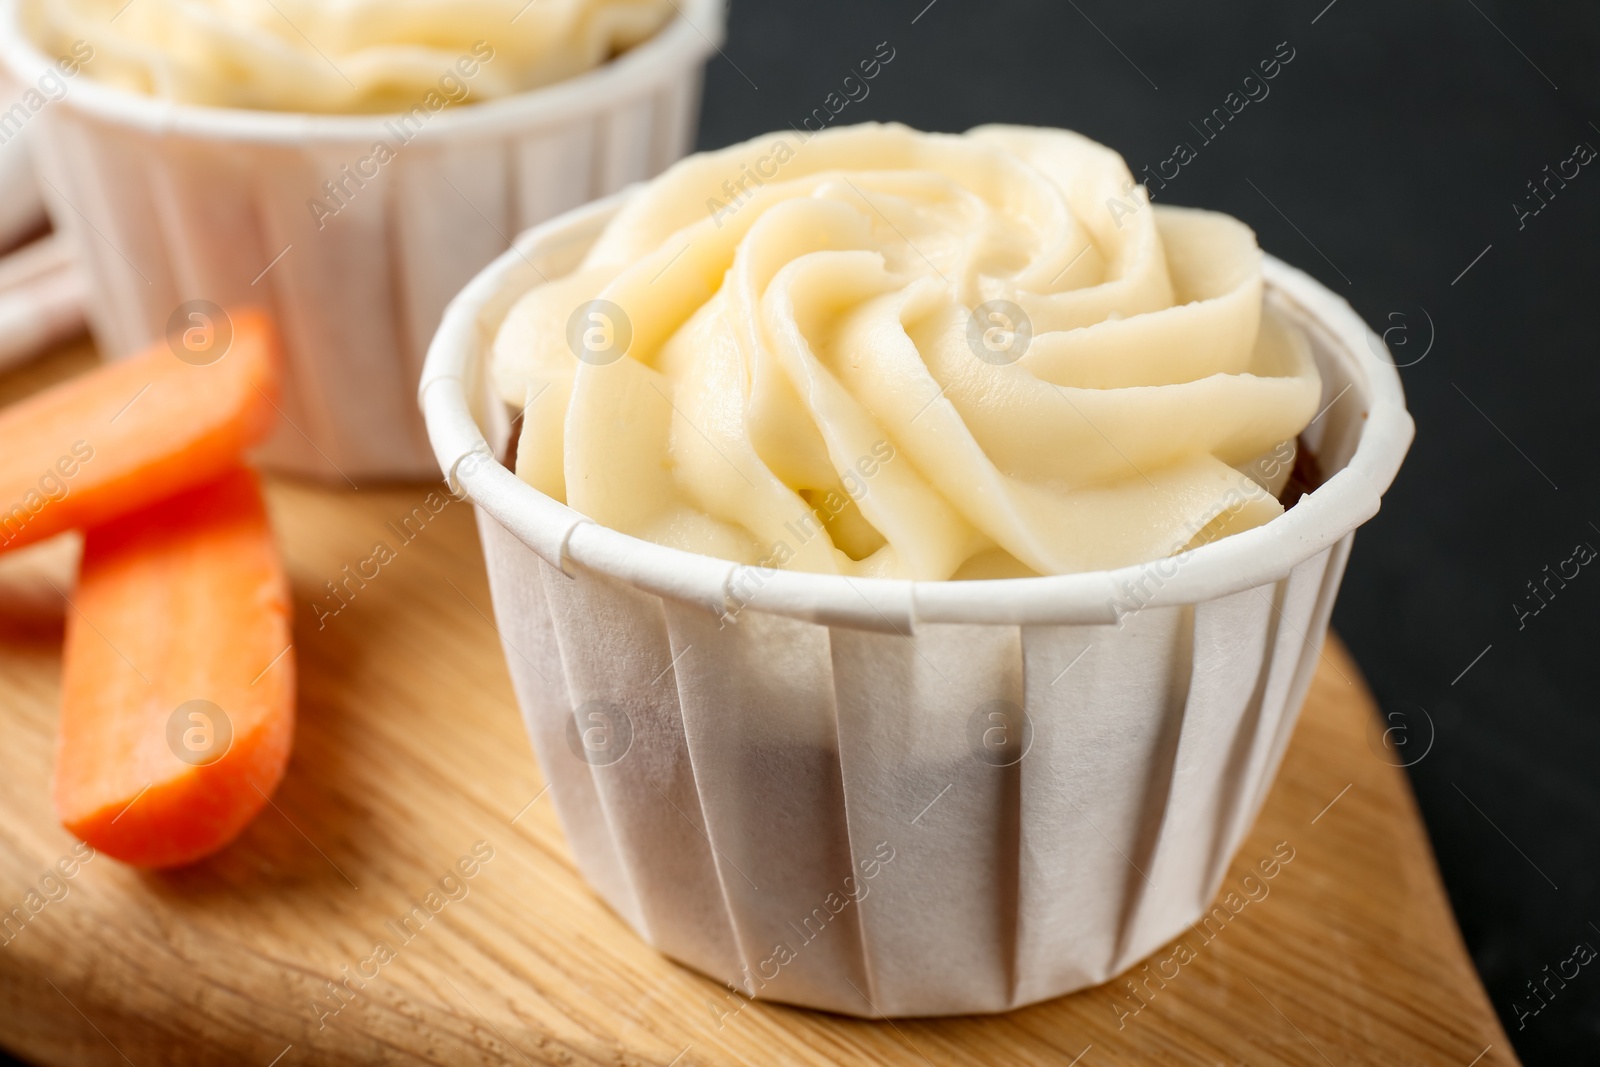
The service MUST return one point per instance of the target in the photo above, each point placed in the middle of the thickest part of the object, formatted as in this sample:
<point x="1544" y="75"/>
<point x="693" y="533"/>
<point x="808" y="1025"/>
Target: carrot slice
<point x="135" y="431"/>
<point x="177" y="703"/>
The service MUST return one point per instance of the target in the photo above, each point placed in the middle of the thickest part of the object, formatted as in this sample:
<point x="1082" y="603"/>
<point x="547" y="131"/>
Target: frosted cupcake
<point x="895" y="574"/>
<point x="348" y="165"/>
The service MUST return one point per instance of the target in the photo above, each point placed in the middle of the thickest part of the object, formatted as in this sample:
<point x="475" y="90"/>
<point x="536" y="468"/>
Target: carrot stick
<point x="135" y="431"/>
<point x="177" y="703"/>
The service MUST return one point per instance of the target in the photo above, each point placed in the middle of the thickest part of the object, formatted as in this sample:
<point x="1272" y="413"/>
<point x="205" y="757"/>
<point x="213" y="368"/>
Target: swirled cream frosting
<point x="879" y="352"/>
<point x="340" y="56"/>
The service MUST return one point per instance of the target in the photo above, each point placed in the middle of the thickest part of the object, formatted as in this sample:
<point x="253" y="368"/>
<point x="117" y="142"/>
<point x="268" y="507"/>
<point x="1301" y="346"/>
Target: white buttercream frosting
<point x="338" y="56"/>
<point x="878" y="352"/>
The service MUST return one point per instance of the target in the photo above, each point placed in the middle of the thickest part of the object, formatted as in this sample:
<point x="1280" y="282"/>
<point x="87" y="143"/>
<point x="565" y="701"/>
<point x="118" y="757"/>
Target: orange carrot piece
<point x="135" y="431"/>
<point x="177" y="702"/>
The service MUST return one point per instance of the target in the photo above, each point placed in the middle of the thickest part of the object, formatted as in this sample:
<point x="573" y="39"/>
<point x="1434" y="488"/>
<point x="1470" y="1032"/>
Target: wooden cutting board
<point x="411" y="757"/>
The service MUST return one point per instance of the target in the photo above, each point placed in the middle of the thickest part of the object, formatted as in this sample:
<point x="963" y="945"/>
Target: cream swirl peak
<point x="339" y="56"/>
<point x="909" y="355"/>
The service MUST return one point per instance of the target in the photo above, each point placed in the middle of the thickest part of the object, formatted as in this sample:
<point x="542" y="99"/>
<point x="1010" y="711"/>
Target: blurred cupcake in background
<point x="348" y="166"/>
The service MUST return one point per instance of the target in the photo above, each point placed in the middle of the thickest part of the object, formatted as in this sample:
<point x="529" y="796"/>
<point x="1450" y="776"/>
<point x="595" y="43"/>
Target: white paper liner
<point x="170" y="203"/>
<point x="22" y="211"/>
<point x="830" y="721"/>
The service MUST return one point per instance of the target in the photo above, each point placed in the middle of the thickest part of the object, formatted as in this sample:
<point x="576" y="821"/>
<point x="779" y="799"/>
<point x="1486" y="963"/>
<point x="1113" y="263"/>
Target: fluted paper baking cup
<point x="172" y="203"/>
<point x="888" y="797"/>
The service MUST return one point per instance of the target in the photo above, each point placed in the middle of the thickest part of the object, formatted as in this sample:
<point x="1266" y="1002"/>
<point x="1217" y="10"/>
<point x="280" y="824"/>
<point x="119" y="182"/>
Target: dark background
<point x="1397" y="141"/>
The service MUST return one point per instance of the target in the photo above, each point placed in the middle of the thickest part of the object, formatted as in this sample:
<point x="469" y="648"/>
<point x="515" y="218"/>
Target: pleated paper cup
<point x="182" y="207"/>
<point x="891" y="798"/>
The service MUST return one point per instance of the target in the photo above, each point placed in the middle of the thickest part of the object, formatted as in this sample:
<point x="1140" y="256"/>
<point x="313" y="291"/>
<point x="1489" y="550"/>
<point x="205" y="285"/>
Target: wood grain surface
<point x="411" y="766"/>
